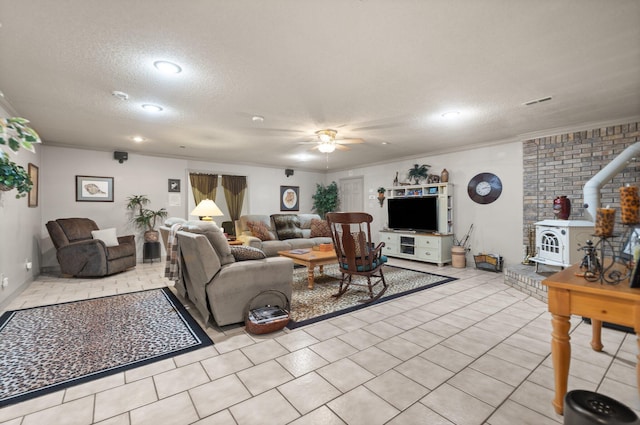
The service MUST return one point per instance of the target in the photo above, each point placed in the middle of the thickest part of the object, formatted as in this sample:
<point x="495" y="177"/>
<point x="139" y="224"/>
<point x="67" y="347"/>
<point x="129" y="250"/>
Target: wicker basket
<point x="267" y="327"/>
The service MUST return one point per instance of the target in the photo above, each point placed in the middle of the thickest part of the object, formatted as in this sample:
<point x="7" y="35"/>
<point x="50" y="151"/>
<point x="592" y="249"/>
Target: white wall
<point x="149" y="175"/>
<point x="497" y="227"/>
<point x="18" y="226"/>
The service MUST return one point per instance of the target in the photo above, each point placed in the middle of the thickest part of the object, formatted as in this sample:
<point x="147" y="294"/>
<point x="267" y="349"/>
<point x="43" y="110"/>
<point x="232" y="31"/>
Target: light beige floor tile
<point x="121" y="399"/>
<point x="320" y="416"/>
<point x="181" y="379"/>
<point x="175" y="410"/>
<point x="500" y="369"/>
<point x="220" y="418"/>
<point x="400" y="348"/>
<point x="345" y="374"/>
<point x="195" y="356"/>
<point x="76" y="412"/>
<point x="151" y="369"/>
<point x="218" y="395"/>
<point x="30" y="406"/>
<point x="263" y="351"/>
<point x="269" y="407"/>
<point x="233" y="342"/>
<point x="467" y="346"/>
<point x="457" y="406"/>
<point x="375" y="360"/>
<point x="122" y="419"/>
<point x="296" y="340"/>
<point x="333" y="349"/>
<point x="516" y="356"/>
<point x="308" y="392"/>
<point x="420" y="337"/>
<point x="535" y="397"/>
<point x="424" y="372"/>
<point x="302" y="361"/>
<point x="419" y="414"/>
<point x="361" y="406"/>
<point x="481" y="386"/>
<point x="92" y="387"/>
<point x="360" y="339"/>
<point x="404" y="321"/>
<point x="397" y="389"/>
<point x="225" y="364"/>
<point x="384" y="329"/>
<point x="263" y="377"/>
<point x="324" y="330"/>
<point x="441" y="328"/>
<point x="511" y="413"/>
<point x="348" y="323"/>
<point x="447" y="357"/>
<point x="625" y="394"/>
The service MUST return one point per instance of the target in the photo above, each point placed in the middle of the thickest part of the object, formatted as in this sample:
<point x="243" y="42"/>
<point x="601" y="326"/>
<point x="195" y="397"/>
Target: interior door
<point x="351" y="194"/>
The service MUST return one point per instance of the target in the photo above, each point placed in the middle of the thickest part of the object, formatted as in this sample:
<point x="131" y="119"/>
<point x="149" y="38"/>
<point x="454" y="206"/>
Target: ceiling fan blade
<point x="349" y="141"/>
<point x="342" y="148"/>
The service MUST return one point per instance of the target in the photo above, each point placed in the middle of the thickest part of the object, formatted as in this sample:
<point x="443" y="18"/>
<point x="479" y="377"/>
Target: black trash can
<point x="583" y="407"/>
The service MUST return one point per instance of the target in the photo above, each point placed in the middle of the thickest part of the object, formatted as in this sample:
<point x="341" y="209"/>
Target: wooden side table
<point x="150" y="251"/>
<point x="570" y="294"/>
<point x="234" y="242"/>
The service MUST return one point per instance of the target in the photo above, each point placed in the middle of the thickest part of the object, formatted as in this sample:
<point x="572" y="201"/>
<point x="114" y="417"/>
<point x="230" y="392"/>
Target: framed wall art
<point x="174" y="185"/>
<point x="289" y="198"/>
<point x="94" y="189"/>
<point x="33" y="194"/>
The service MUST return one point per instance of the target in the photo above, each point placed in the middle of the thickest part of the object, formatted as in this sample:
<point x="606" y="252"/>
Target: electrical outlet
<point x="5" y="282"/>
<point x="28" y="264"/>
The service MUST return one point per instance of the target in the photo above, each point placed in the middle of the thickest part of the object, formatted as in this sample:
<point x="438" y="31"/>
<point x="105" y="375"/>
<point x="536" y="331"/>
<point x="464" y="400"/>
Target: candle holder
<point x="600" y="259"/>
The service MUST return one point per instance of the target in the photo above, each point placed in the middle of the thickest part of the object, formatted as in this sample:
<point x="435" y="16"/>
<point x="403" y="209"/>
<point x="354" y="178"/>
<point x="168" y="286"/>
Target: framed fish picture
<point x="94" y="189"/>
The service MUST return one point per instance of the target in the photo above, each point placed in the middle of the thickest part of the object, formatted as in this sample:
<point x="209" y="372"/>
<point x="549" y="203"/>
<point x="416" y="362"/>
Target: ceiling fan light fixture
<point x="327" y="147"/>
<point x="326" y="136"/>
<point x="167" y="67"/>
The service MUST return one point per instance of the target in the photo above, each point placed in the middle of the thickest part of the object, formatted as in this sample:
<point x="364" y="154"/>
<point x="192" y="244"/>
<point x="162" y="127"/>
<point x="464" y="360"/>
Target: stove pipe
<point x="592" y="187"/>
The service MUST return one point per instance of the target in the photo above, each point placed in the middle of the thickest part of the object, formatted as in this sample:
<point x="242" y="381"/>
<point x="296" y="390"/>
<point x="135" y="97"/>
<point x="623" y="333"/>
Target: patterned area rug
<point x="313" y="305"/>
<point x="45" y="349"/>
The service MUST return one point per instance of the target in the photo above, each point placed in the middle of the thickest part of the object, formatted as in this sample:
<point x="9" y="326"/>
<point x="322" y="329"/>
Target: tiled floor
<point x="475" y="351"/>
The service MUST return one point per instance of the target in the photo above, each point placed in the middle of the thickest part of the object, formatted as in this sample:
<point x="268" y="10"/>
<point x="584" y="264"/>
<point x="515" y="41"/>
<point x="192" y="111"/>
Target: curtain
<point x="234" y="189"/>
<point x="204" y="186"/>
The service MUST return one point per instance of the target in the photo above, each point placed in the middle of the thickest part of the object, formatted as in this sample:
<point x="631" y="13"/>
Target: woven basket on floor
<point x="268" y="327"/>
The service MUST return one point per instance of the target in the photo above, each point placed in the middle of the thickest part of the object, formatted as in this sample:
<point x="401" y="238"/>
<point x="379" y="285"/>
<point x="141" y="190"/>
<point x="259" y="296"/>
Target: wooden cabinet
<point x="427" y="247"/>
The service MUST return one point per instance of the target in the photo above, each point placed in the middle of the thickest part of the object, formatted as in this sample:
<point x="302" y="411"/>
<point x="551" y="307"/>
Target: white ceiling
<point x="381" y="70"/>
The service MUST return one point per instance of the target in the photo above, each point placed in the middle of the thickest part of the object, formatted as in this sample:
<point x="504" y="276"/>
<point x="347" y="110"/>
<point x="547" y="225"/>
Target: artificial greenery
<point x="145" y="218"/>
<point x="15" y="133"/>
<point x="381" y="190"/>
<point x="419" y="172"/>
<point x="14" y="176"/>
<point x="325" y="199"/>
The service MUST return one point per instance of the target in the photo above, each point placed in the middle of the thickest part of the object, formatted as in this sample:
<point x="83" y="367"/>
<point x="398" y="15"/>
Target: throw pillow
<point x="287" y="226"/>
<point x="259" y="230"/>
<point x="108" y="236"/>
<point x="243" y="253"/>
<point x="358" y="238"/>
<point x="320" y="228"/>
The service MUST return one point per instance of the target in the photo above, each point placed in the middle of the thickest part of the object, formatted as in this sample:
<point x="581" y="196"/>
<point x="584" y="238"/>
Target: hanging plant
<point x="14" y="176"/>
<point x="15" y="133"/>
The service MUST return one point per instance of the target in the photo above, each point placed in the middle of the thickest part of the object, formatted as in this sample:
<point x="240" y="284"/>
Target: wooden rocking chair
<point x="357" y="255"/>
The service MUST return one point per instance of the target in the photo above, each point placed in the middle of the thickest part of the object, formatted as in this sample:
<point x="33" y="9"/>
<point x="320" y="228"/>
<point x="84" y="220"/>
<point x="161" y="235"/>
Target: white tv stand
<point x="427" y="247"/>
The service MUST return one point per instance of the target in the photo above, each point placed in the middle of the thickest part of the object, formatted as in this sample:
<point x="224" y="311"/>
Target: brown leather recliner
<point x="82" y="256"/>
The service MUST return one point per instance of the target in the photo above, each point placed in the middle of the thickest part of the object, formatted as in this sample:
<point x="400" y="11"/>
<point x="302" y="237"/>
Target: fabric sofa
<point x="281" y="232"/>
<point x="222" y="284"/>
<point x="83" y="250"/>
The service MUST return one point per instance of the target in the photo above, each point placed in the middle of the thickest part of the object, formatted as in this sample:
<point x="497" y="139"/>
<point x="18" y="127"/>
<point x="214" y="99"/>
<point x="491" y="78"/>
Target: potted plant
<point x="419" y="172"/>
<point x="325" y="199"/>
<point x="145" y="218"/>
<point x="14" y="176"/>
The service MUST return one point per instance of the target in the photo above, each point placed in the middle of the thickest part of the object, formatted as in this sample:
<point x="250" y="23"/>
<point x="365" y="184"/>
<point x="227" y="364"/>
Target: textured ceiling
<point x="383" y="71"/>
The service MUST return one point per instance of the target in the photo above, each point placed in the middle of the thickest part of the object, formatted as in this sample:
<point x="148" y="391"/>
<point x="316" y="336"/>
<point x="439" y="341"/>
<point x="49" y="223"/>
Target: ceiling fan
<point x="328" y="143"/>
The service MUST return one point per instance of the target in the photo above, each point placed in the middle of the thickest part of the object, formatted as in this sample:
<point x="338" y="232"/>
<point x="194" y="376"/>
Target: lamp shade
<point x="207" y="209"/>
<point x="327" y="147"/>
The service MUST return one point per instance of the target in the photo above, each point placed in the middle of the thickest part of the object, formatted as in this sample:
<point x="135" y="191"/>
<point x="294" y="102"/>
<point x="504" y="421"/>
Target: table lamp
<point x="206" y="209"/>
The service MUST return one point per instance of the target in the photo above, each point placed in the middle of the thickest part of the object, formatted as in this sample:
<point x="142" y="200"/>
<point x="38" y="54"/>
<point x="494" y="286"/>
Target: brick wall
<point x="562" y="164"/>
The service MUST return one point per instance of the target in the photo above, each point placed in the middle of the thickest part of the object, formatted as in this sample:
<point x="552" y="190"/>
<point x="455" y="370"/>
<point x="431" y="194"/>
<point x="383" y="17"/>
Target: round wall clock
<point x="484" y="188"/>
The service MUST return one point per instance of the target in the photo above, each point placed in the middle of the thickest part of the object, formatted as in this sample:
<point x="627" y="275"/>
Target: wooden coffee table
<point x="311" y="259"/>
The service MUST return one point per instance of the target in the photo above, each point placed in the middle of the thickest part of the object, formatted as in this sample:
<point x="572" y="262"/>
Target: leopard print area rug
<point x="45" y="349"/>
<point x="313" y="305"/>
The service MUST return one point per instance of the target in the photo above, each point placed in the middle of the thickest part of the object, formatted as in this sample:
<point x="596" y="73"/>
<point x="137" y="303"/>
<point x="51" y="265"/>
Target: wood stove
<point x="558" y="242"/>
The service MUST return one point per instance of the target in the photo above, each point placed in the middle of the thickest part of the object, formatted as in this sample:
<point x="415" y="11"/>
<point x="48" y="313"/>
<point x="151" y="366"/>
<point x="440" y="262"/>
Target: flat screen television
<point x="418" y="213"/>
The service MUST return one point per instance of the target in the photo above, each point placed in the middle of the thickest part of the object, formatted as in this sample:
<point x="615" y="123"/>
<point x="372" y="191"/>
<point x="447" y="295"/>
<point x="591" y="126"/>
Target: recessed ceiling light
<point x="167" y="67"/>
<point x="451" y="114"/>
<point x="257" y="118"/>
<point x="138" y="139"/>
<point x="120" y="95"/>
<point x="151" y="108"/>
